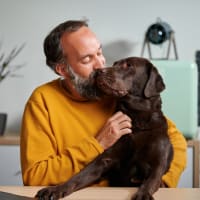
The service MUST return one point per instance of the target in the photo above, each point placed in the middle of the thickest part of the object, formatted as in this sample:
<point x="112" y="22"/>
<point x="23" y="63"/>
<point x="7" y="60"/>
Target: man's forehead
<point x="81" y="42"/>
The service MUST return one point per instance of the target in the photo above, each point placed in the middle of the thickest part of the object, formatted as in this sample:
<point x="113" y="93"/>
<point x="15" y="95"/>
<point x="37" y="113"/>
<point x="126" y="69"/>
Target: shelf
<point x="9" y="140"/>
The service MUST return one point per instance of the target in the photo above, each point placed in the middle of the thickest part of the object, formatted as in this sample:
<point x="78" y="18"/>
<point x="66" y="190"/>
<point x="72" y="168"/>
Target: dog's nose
<point x="100" y="71"/>
<point x="96" y="73"/>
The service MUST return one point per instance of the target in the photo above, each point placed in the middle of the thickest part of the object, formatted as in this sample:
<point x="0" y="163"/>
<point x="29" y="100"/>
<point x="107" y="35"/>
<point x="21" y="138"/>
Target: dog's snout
<point x="98" y="71"/>
<point x="101" y="71"/>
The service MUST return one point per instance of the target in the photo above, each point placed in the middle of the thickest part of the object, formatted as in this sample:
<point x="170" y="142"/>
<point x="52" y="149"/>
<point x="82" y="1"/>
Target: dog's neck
<point x="143" y="112"/>
<point x="141" y="104"/>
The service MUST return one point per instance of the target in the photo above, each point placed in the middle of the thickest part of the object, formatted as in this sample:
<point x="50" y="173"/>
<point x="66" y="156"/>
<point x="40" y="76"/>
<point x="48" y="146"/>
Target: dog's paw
<point x="50" y="193"/>
<point x="142" y="196"/>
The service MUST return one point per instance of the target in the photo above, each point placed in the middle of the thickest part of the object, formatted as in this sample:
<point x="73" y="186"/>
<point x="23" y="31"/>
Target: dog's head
<point x="133" y="75"/>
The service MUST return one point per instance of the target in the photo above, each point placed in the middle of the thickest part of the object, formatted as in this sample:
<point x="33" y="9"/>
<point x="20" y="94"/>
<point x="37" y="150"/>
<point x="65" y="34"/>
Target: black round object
<point x="158" y="33"/>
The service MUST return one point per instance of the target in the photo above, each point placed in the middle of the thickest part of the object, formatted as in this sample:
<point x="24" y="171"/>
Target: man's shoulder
<point x="45" y="90"/>
<point x="51" y="85"/>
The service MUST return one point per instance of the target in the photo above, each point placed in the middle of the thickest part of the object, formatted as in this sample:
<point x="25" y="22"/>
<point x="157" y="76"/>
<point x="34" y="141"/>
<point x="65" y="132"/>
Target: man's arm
<point x="179" y="161"/>
<point x="42" y="161"/>
<point x="45" y="159"/>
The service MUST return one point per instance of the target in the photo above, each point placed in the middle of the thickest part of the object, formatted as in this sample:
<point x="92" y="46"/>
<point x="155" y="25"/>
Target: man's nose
<point x="99" y="62"/>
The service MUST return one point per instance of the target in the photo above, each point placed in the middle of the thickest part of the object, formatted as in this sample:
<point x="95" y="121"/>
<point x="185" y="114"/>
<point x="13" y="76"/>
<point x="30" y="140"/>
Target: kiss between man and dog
<point x="64" y="127"/>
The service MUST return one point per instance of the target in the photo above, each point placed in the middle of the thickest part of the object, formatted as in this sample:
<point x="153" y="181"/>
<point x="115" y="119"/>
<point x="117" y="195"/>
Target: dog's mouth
<point x="109" y="86"/>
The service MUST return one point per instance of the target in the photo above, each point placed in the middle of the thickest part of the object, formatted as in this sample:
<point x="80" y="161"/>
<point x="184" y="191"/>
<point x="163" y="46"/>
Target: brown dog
<point x="139" y="159"/>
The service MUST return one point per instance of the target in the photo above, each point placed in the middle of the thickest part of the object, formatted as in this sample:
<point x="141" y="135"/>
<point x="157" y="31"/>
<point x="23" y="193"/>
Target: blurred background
<point x="120" y="25"/>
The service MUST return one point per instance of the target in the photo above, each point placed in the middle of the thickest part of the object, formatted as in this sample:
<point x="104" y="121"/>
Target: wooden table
<point x="9" y="140"/>
<point x="110" y="193"/>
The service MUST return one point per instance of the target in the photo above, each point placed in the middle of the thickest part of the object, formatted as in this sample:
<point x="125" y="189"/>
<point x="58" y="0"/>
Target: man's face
<point x="82" y="51"/>
<point x="84" y="86"/>
<point x="82" y="55"/>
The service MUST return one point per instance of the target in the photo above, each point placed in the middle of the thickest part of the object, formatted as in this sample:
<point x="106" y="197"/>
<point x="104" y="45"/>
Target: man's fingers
<point x="116" y="126"/>
<point x="119" y="117"/>
<point x="125" y="124"/>
<point x="126" y="131"/>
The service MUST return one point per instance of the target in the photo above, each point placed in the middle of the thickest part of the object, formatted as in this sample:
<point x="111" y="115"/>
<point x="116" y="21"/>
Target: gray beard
<point x="84" y="86"/>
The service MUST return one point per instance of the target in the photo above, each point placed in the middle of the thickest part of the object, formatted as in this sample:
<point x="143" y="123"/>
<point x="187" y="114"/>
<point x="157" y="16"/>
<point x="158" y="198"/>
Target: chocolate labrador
<point x="138" y="159"/>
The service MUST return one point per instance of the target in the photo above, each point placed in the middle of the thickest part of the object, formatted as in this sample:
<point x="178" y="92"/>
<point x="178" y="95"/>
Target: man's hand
<point x="116" y="126"/>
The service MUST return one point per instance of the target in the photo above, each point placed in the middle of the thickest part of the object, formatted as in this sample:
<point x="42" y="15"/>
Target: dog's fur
<point x="139" y="159"/>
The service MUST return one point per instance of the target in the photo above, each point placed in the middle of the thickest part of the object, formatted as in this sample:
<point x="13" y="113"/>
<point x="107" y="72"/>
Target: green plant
<point x="6" y="66"/>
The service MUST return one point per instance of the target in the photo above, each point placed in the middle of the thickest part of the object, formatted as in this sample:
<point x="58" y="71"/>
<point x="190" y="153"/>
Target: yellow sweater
<point x="57" y="137"/>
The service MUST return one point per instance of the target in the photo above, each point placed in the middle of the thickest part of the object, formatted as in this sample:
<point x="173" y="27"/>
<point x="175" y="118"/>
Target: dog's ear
<point x="155" y="84"/>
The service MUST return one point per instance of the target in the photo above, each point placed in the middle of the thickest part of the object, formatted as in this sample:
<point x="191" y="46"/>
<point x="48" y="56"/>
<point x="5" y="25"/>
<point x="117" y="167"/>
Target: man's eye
<point x="99" y="53"/>
<point x="86" y="60"/>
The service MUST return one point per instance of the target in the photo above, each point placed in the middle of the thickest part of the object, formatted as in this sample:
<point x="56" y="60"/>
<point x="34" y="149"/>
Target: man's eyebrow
<point x="84" y="56"/>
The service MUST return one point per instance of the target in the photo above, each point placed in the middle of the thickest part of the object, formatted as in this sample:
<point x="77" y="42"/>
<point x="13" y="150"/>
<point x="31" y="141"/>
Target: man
<point x="65" y="125"/>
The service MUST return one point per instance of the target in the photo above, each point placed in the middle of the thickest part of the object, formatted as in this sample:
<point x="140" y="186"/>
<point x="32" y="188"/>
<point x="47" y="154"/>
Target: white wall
<point x="120" y="25"/>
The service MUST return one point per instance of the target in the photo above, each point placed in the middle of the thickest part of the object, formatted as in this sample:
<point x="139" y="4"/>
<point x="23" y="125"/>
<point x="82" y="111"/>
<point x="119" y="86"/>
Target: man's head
<point x="73" y="49"/>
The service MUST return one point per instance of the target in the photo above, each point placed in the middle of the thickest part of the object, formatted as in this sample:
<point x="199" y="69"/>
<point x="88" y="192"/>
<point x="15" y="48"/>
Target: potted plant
<point x="8" y="69"/>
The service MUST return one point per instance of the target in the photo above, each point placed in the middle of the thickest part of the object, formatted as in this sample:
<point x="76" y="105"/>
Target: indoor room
<point x="132" y="34"/>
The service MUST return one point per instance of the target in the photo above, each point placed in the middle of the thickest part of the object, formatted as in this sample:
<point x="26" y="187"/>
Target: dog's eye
<point x="129" y="65"/>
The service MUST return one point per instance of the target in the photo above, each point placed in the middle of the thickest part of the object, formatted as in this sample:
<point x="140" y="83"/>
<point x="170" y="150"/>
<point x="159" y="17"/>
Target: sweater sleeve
<point x="40" y="161"/>
<point x="178" y="163"/>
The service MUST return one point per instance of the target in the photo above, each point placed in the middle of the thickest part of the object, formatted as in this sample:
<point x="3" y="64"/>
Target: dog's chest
<point x="130" y="173"/>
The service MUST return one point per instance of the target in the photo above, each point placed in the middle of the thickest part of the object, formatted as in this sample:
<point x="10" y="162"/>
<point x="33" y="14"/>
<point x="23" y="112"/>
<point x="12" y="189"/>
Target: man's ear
<point x="155" y="84"/>
<point x="60" y="69"/>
